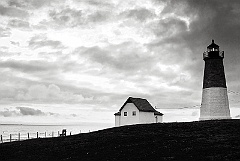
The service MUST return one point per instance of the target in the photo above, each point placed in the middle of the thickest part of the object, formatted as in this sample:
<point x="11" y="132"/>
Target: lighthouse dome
<point x="213" y="47"/>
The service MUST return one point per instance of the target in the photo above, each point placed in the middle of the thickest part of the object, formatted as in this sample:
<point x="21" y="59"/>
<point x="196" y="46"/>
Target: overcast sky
<point x="79" y="60"/>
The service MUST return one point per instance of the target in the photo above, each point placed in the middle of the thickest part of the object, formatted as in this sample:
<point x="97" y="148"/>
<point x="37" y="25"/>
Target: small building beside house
<point x="137" y="111"/>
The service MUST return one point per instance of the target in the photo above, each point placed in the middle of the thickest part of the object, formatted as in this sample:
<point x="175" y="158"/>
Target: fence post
<point x="45" y="134"/>
<point x="1" y="139"/>
<point x="19" y="136"/>
<point x="70" y="133"/>
<point x="10" y="137"/>
<point x="80" y="131"/>
<point x="37" y="134"/>
<point x="52" y="134"/>
<point x="28" y="135"/>
<point x="58" y="133"/>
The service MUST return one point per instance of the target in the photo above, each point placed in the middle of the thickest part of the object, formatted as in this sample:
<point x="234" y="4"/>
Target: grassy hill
<point x="204" y="140"/>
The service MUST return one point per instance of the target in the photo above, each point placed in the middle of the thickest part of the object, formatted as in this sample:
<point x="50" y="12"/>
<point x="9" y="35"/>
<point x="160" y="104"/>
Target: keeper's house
<point x="137" y="111"/>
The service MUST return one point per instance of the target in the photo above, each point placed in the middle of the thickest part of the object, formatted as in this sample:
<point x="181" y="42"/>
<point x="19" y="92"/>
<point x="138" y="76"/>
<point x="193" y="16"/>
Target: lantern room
<point x="213" y="52"/>
<point x="213" y="47"/>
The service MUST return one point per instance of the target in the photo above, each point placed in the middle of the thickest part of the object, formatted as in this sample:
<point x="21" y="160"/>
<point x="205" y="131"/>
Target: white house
<point x="137" y="111"/>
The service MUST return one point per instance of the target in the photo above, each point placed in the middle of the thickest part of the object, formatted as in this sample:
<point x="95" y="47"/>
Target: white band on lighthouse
<point x="215" y="104"/>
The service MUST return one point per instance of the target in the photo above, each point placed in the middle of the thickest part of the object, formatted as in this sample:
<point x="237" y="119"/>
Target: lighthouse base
<point x="215" y="105"/>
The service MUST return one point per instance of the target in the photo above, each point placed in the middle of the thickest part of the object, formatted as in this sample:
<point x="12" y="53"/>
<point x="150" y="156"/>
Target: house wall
<point x="159" y="119"/>
<point x="146" y="117"/>
<point x="117" y="121"/>
<point x="129" y="119"/>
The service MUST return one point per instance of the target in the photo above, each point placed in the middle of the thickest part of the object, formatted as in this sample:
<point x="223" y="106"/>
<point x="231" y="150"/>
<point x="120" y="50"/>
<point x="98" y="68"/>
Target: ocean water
<point x="24" y="132"/>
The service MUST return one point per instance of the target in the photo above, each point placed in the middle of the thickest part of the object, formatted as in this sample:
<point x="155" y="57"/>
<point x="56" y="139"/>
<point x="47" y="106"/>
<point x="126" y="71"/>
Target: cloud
<point x="51" y="93"/>
<point x="30" y="111"/>
<point x="15" y="43"/>
<point x="66" y="17"/>
<point x="8" y="113"/>
<point x="25" y="111"/>
<point x="15" y="3"/>
<point x="140" y="14"/>
<point x="125" y="57"/>
<point x="99" y="16"/>
<point x="13" y="12"/>
<point x="5" y="32"/>
<point x="70" y="18"/>
<point x="31" y="4"/>
<point x="238" y="116"/>
<point x="130" y="60"/>
<point x="73" y="115"/>
<point x="97" y="3"/>
<point x="169" y="27"/>
<point x="16" y="23"/>
<point x="28" y="66"/>
<point x="155" y="73"/>
<point x="41" y="41"/>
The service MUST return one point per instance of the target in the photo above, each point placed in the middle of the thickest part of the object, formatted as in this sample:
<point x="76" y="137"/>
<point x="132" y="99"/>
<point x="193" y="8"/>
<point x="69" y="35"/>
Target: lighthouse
<point x="215" y="103"/>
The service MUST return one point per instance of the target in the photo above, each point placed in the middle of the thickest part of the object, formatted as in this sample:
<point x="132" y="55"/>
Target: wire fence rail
<point x="33" y="135"/>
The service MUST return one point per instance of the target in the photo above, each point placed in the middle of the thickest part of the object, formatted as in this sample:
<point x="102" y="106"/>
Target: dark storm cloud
<point x="214" y="19"/>
<point x="40" y="41"/>
<point x="208" y="20"/>
<point x="13" y="12"/>
<point x="167" y="27"/>
<point x="217" y="20"/>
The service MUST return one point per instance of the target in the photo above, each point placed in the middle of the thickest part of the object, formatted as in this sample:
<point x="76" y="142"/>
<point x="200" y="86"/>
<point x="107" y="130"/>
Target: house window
<point x="134" y="113"/>
<point x="125" y="114"/>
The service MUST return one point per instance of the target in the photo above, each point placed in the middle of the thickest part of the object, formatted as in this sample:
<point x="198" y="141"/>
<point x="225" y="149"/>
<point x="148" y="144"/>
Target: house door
<point x="156" y="118"/>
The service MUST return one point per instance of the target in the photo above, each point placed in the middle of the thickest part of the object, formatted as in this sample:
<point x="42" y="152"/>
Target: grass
<point x="204" y="140"/>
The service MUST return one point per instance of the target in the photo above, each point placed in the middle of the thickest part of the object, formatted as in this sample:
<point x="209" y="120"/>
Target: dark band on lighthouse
<point x="214" y="75"/>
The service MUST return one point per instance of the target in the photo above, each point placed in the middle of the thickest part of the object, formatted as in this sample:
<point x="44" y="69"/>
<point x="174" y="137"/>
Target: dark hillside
<point x="205" y="140"/>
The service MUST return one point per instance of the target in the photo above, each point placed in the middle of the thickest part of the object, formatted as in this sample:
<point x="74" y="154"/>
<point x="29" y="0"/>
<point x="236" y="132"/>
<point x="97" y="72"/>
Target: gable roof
<point x="118" y="113"/>
<point x="142" y="105"/>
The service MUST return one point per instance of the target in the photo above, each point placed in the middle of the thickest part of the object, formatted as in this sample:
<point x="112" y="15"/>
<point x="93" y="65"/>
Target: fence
<point x="26" y="136"/>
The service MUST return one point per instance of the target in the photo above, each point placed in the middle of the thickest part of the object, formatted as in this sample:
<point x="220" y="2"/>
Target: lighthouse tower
<point x="215" y="103"/>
